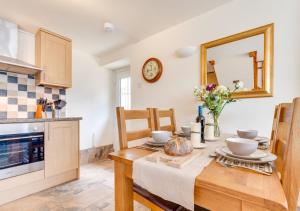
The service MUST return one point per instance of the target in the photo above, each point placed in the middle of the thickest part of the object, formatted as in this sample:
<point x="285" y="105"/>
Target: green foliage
<point x="215" y="98"/>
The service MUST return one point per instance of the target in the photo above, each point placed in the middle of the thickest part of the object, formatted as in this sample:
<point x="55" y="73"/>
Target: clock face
<point x="152" y="70"/>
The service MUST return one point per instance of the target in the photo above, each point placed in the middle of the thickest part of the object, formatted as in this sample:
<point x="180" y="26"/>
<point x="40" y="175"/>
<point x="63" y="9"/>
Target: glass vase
<point x="217" y="132"/>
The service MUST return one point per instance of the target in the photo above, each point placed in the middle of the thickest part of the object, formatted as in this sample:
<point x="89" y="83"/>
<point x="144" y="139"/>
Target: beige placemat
<point x="263" y="168"/>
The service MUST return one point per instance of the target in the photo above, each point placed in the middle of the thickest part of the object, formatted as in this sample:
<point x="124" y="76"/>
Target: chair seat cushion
<point x="164" y="204"/>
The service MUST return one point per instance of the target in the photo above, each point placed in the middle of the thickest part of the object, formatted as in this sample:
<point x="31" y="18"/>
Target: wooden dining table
<point x="217" y="188"/>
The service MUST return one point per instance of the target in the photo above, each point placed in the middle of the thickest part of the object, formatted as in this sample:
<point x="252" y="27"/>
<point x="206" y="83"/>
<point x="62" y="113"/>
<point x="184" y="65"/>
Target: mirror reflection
<point x="241" y="60"/>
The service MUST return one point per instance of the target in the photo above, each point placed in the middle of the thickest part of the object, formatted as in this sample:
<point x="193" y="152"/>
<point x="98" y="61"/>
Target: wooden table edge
<point x="242" y="196"/>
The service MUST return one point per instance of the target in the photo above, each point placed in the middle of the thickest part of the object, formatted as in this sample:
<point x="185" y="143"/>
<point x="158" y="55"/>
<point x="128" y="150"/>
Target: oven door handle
<point x="18" y="138"/>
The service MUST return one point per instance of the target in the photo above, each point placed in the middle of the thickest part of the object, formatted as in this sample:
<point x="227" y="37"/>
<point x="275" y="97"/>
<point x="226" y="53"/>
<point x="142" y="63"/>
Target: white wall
<point x="91" y="97"/>
<point x="175" y="87"/>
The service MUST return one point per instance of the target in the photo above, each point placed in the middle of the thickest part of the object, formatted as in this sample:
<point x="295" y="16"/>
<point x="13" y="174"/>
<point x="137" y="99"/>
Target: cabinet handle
<point x="48" y="132"/>
<point x="44" y="72"/>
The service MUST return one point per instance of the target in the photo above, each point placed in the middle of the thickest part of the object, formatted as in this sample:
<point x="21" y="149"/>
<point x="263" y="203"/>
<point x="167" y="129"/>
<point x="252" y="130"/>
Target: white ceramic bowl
<point x="186" y="130"/>
<point x="241" y="146"/>
<point x="249" y="134"/>
<point x="161" y="136"/>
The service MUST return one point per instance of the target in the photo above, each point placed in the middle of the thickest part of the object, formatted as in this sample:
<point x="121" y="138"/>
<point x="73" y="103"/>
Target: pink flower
<point x="210" y="87"/>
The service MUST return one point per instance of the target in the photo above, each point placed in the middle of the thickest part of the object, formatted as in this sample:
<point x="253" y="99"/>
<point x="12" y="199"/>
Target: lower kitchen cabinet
<point x="61" y="162"/>
<point x="61" y="147"/>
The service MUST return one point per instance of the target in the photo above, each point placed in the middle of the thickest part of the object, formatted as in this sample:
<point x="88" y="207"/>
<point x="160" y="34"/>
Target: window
<point x="125" y="93"/>
<point x="123" y="88"/>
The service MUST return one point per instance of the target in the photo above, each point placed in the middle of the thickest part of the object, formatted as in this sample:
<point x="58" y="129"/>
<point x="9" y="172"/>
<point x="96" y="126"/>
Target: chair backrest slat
<point x="282" y="134"/>
<point x="136" y="114"/>
<point x="165" y="113"/>
<point x="158" y="114"/>
<point x="167" y="128"/>
<point x="274" y="128"/>
<point x="286" y="145"/>
<point x="124" y="135"/>
<point x="291" y="171"/>
<point x="134" y="135"/>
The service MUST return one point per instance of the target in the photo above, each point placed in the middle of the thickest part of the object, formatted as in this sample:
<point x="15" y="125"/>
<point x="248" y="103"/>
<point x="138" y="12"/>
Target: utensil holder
<point x="39" y="112"/>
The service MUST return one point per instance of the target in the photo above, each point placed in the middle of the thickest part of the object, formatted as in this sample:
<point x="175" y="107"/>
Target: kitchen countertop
<point x="19" y="120"/>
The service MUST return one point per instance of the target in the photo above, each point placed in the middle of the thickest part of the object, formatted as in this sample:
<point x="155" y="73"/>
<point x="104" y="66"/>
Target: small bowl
<point x="241" y="146"/>
<point x="161" y="136"/>
<point x="186" y="130"/>
<point x="248" y="134"/>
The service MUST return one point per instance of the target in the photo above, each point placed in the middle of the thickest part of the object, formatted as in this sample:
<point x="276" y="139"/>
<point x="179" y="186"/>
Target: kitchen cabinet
<point x="61" y="147"/>
<point x="61" y="161"/>
<point x="54" y="56"/>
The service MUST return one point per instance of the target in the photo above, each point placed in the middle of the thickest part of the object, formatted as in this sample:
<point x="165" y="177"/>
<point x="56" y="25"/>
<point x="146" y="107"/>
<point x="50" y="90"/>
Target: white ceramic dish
<point x="181" y="134"/>
<point x="254" y="156"/>
<point x="259" y="139"/>
<point x="186" y="130"/>
<point x="199" y="146"/>
<point x="155" y="144"/>
<point x="241" y="146"/>
<point x="212" y="139"/>
<point x="161" y="136"/>
<point x="248" y="134"/>
<point x="271" y="157"/>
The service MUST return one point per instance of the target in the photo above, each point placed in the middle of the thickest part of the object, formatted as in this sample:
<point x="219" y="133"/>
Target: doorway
<point x="123" y="88"/>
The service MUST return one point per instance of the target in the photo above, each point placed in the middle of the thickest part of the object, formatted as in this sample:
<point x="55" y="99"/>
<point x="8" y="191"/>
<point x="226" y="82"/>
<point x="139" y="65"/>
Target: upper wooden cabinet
<point x="54" y="56"/>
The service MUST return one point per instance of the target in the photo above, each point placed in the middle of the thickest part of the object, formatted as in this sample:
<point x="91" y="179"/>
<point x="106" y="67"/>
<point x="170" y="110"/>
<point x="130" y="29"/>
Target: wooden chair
<point x="158" y="114"/>
<point x="141" y="195"/>
<point x="124" y="135"/>
<point x="291" y="173"/>
<point x="287" y="148"/>
<point x="281" y="134"/>
<point x="274" y="128"/>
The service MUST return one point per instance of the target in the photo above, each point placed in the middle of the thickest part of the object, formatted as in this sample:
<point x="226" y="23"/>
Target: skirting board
<point x="24" y="185"/>
<point x="94" y="154"/>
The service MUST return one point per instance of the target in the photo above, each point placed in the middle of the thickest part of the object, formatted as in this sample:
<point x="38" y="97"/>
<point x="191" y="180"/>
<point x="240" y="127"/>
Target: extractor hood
<point x="9" y="50"/>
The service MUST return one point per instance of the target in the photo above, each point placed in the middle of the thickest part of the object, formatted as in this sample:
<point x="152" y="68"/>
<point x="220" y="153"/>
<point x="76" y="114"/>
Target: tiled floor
<point x="93" y="192"/>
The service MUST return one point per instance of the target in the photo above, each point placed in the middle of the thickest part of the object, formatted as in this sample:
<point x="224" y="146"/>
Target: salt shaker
<point x="209" y="131"/>
<point x="195" y="133"/>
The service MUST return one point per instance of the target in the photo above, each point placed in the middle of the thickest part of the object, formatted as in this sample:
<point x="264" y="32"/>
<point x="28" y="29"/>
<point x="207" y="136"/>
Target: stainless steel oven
<point x="21" y="149"/>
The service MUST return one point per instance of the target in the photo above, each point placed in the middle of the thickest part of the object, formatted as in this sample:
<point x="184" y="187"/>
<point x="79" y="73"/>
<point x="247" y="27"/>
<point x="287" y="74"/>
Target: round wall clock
<point x="152" y="70"/>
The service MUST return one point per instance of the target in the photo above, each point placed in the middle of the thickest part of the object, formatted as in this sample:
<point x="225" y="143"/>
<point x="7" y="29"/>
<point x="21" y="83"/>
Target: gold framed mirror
<point x="246" y="57"/>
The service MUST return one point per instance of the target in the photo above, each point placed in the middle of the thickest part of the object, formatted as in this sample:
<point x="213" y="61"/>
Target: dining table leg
<point x="123" y="187"/>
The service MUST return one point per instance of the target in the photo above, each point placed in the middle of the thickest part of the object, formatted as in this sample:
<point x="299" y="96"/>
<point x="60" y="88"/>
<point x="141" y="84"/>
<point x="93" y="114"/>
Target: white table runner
<point x="172" y="184"/>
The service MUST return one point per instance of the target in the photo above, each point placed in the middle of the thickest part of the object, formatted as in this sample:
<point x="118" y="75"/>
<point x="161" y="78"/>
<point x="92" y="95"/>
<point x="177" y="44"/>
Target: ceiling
<point x="82" y="20"/>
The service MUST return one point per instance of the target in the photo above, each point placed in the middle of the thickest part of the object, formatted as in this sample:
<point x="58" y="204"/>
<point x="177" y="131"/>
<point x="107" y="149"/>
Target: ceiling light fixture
<point x="108" y="27"/>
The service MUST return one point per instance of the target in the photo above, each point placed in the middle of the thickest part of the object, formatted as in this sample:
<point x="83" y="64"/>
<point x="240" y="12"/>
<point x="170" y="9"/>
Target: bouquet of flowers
<point x="215" y="98"/>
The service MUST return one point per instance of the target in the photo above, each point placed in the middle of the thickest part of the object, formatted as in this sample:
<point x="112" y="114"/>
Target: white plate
<point x="260" y="139"/>
<point x="156" y="144"/>
<point x="180" y="133"/>
<point x="212" y="139"/>
<point x="254" y="156"/>
<point x="199" y="146"/>
<point x="271" y="157"/>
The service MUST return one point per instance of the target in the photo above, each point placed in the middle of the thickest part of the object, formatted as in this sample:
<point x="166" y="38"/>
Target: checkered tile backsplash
<point x="19" y="94"/>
